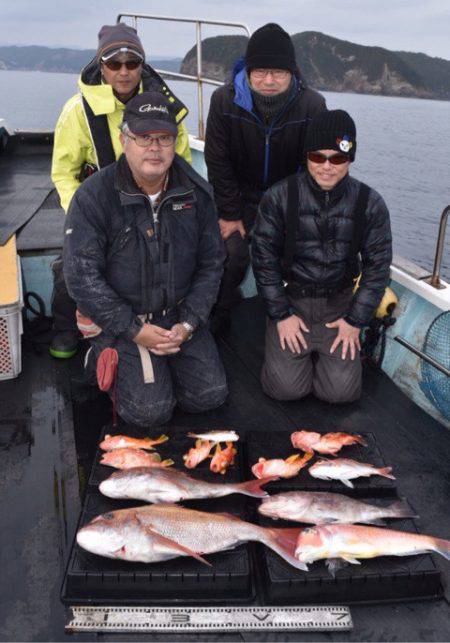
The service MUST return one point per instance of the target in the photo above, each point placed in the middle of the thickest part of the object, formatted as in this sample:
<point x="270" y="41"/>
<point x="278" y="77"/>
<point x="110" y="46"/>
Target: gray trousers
<point x="289" y="376"/>
<point x="194" y="378"/>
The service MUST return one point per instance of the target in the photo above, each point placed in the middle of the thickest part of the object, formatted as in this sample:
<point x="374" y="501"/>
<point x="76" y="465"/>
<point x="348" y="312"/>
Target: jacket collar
<point x="242" y="92"/>
<point x="129" y="192"/>
<point x="334" y="194"/>
<point x="102" y="100"/>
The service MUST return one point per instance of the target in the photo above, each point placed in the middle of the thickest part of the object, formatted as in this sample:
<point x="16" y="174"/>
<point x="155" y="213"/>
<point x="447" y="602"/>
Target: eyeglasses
<point x="115" y="65"/>
<point x="278" y="74"/>
<point x="335" y="159"/>
<point x="164" y="140"/>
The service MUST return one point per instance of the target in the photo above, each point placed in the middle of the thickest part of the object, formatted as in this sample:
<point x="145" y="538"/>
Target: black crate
<point x="386" y="578"/>
<point x="277" y="444"/>
<point x="94" y="579"/>
<point x="177" y="445"/>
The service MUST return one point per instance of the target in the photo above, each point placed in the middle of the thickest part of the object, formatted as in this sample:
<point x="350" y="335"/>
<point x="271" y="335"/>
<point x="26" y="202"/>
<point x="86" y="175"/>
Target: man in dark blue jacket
<point x="311" y="230"/>
<point x="254" y="137"/>
<point x="143" y="259"/>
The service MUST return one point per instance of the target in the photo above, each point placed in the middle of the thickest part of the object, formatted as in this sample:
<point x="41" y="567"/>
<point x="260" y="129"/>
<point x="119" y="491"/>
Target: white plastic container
<point x="11" y="329"/>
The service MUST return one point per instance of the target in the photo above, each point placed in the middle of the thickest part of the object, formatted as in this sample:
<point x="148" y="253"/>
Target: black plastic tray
<point x="94" y="579"/>
<point x="277" y="444"/>
<point x="386" y="578"/>
<point x="177" y="445"/>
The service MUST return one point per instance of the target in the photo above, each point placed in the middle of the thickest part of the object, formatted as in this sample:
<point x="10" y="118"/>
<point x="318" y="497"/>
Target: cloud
<point x="411" y="25"/>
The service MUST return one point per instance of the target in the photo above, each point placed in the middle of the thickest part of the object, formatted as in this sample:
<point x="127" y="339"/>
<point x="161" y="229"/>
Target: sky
<point x="409" y="25"/>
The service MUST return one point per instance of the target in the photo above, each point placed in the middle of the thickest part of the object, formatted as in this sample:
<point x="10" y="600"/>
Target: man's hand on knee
<point x="158" y="340"/>
<point x="227" y="228"/>
<point x="290" y="333"/>
<point x="348" y="335"/>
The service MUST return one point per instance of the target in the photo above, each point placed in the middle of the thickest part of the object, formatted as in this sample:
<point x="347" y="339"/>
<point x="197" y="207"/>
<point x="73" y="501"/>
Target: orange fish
<point x="329" y="443"/>
<point x="112" y="442"/>
<point x="223" y="458"/>
<point x="197" y="454"/>
<point x="284" y="468"/>
<point x="351" y="542"/>
<point x="129" y="458"/>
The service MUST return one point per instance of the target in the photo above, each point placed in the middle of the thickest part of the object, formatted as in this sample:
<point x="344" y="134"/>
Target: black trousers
<point x="63" y="306"/>
<point x="235" y="269"/>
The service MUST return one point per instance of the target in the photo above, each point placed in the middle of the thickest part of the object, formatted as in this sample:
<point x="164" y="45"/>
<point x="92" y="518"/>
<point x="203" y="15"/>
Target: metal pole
<point x="201" y="127"/>
<point x="422" y="355"/>
<point x="435" y="281"/>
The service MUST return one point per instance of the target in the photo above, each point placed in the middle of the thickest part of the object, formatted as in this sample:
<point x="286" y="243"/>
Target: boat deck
<point x="49" y="427"/>
<point x="50" y="423"/>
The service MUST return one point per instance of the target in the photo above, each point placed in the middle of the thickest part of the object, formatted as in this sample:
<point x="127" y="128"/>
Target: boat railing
<point x="434" y="279"/>
<point x="199" y="78"/>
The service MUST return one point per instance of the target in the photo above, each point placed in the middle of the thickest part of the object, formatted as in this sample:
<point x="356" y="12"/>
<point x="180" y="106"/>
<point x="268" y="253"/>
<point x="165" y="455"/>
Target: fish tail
<point x="162" y="438"/>
<point x="167" y="463"/>
<point x="253" y="487"/>
<point x="442" y="547"/>
<point x="401" y="509"/>
<point x="283" y="541"/>
<point x="386" y="472"/>
<point x="360" y="440"/>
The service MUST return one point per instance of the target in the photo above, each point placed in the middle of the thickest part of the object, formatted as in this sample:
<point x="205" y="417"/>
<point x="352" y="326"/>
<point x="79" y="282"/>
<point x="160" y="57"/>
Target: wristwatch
<point x="189" y="329"/>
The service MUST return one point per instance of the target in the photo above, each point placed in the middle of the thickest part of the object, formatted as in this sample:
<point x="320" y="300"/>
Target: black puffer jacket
<point x="244" y="156"/>
<point x="323" y="240"/>
<point x="118" y="264"/>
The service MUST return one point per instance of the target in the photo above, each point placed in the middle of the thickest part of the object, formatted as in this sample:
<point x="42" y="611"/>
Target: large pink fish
<point x="159" y="532"/>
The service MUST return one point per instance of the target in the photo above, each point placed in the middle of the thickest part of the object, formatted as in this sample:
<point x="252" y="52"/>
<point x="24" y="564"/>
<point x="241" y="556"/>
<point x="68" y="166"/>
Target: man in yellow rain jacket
<point x="87" y="139"/>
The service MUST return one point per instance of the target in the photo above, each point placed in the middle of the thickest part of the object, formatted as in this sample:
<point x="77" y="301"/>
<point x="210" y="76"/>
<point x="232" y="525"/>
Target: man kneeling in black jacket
<point x="143" y="259"/>
<point x="310" y="231"/>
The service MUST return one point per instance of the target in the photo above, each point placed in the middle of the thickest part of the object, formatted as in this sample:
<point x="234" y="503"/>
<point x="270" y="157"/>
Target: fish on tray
<point x="128" y="458"/>
<point x="350" y="542"/>
<point x="281" y="468"/>
<point x="112" y="442"/>
<point x="157" y="484"/>
<point x="320" y="507"/>
<point x="344" y="469"/>
<point x="223" y="458"/>
<point x="327" y="444"/>
<point x="197" y="454"/>
<point x="216" y="436"/>
<point x="160" y="532"/>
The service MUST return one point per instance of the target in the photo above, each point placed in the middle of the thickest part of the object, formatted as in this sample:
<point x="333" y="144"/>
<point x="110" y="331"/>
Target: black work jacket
<point x="323" y="241"/>
<point x="119" y="263"/>
<point x="244" y="155"/>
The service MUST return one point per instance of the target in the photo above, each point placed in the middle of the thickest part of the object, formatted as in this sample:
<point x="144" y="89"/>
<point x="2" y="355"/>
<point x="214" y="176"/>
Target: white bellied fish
<point x="159" y="532"/>
<point x="351" y="542"/>
<point x="320" y="507"/>
<point x="344" y="469"/>
<point x="222" y="435"/>
<point x="155" y="484"/>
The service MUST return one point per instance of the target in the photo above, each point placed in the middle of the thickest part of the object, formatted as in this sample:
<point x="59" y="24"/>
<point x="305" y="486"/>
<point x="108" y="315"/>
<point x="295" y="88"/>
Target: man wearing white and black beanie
<point x="315" y="234"/>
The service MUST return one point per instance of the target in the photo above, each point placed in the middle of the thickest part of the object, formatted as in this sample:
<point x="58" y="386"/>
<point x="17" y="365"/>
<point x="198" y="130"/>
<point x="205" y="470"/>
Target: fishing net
<point x="435" y="384"/>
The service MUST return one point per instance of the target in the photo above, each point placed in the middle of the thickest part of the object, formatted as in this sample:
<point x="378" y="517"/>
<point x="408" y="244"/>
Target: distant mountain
<point x="34" y="58"/>
<point x="331" y="64"/>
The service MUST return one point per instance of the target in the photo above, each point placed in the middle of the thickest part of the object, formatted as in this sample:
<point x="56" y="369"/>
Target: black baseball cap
<point x="150" y="112"/>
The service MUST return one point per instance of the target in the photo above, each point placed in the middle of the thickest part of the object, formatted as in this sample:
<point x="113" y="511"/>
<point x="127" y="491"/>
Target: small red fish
<point x="126" y="442"/>
<point x="223" y="458"/>
<point x="329" y="443"/>
<point x="130" y="458"/>
<point x="283" y="468"/>
<point x="197" y="454"/>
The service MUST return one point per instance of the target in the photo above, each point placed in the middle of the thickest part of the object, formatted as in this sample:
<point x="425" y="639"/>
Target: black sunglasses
<point x="335" y="159"/>
<point x="115" y="65"/>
